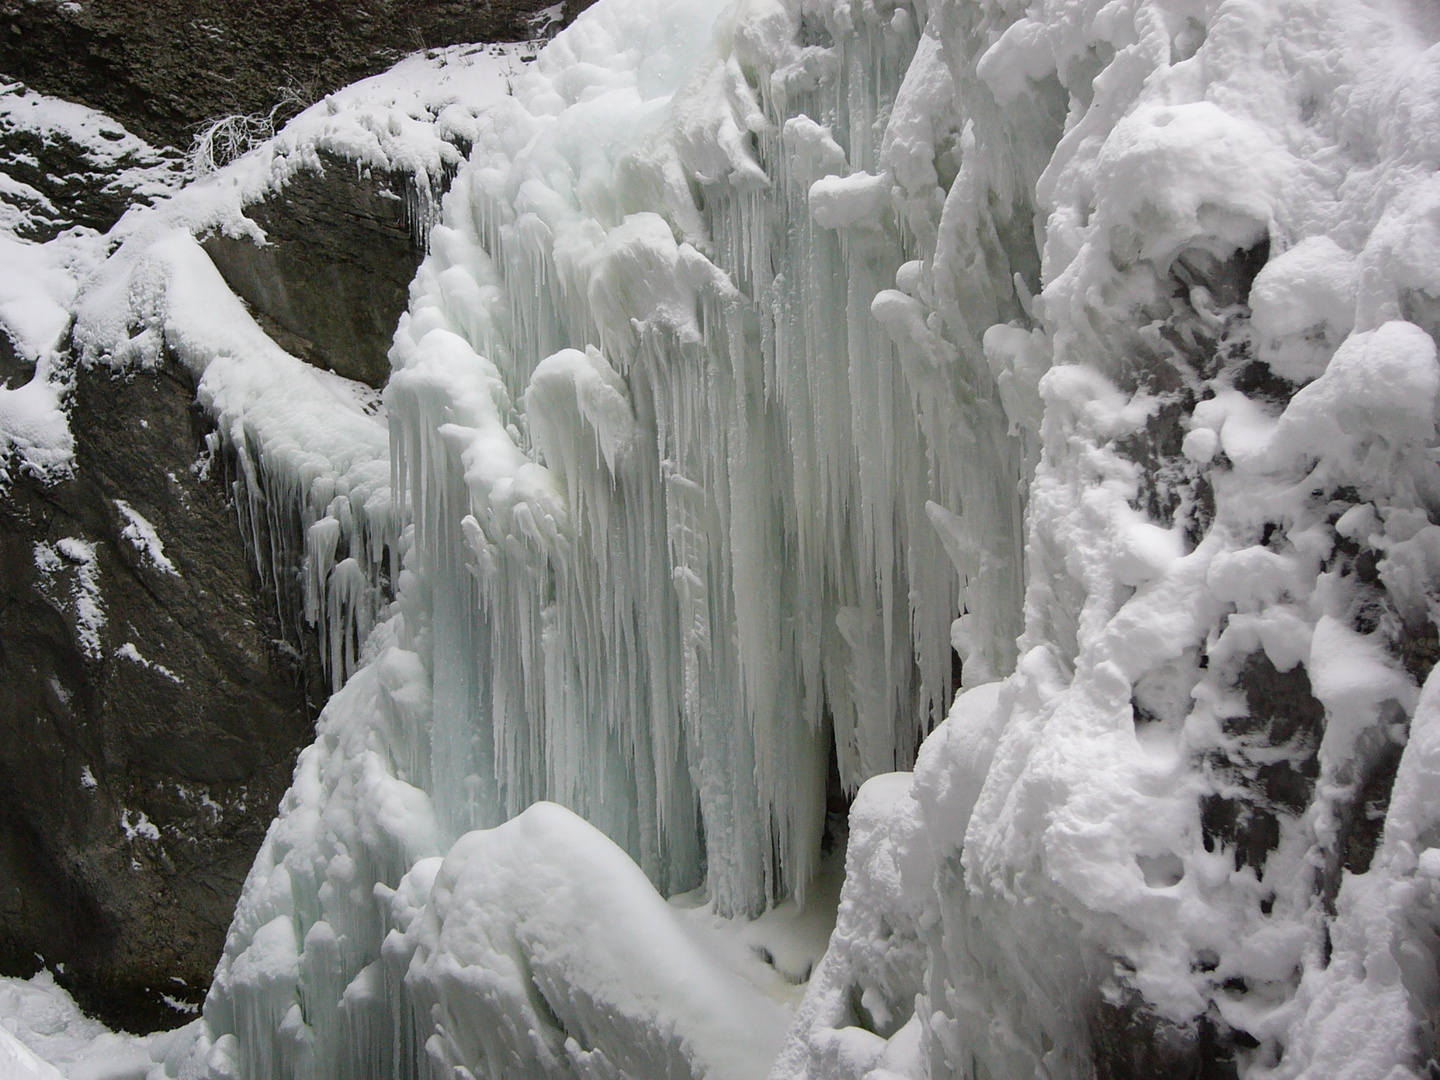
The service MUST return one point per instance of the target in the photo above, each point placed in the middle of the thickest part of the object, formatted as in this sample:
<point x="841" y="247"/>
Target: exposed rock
<point x="1133" y="1043"/>
<point x="334" y="277"/>
<point x="140" y="758"/>
<point x="164" y="67"/>
<point x="573" y="8"/>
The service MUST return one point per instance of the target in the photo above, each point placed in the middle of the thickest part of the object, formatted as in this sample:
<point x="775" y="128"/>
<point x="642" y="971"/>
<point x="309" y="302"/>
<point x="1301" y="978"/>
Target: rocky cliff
<point x="334" y="275"/>
<point x="151" y="708"/>
<point x="164" y="68"/>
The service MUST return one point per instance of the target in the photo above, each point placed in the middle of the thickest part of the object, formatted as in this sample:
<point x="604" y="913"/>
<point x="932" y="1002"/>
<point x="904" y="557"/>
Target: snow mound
<point x="549" y="951"/>
<point x="19" y="1062"/>
<point x="44" y="1035"/>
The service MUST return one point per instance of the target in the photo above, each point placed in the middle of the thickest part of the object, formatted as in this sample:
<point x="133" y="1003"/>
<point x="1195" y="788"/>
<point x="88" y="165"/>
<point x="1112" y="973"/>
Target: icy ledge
<point x="309" y="451"/>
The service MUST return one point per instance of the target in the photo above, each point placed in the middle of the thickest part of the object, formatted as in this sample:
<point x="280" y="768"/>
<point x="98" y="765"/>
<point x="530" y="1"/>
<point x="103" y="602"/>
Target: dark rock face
<point x="164" y="67"/>
<point x="1272" y="765"/>
<point x="1131" y="1043"/>
<point x="77" y="189"/>
<point x="573" y="8"/>
<point x="335" y="276"/>
<point x="140" y="759"/>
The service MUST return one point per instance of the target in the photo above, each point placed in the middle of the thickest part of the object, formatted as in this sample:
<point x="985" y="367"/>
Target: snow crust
<point x="73" y="561"/>
<point x="37" y="285"/>
<point x="128" y="165"/>
<point x="1074" y="880"/>
<point x="144" y="538"/>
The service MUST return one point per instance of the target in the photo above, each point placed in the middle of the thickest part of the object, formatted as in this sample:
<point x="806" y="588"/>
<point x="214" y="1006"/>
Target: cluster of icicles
<point x="689" y="511"/>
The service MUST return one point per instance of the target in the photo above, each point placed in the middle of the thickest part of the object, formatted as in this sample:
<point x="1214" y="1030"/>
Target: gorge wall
<point x="149" y="720"/>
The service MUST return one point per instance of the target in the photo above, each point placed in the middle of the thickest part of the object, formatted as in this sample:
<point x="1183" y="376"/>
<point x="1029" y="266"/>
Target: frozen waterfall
<point x="675" y="488"/>
<point x="777" y="373"/>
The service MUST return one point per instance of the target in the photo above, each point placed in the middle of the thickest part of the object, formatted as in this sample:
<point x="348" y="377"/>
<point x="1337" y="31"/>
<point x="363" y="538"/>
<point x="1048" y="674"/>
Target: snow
<point x="143" y="536"/>
<point x="130" y="651"/>
<point x="128" y="163"/>
<point x="542" y="928"/>
<point x="1073" y="810"/>
<point x="142" y="826"/>
<point x="37" y="284"/>
<point x="657" y="411"/>
<point x="759" y="359"/>
<point x="1301" y="308"/>
<point x="43" y="1031"/>
<point x="75" y="558"/>
<point x="19" y="1062"/>
<point x="34" y="428"/>
<point x="412" y="120"/>
<point x="38" y="287"/>
<point x="38" y="281"/>
<point x="535" y="470"/>
<point x="563" y="345"/>
<point x="543" y="921"/>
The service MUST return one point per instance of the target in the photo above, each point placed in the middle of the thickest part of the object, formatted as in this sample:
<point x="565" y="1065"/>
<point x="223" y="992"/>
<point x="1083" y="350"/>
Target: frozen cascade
<point x="704" y="518"/>
<point x="751" y="346"/>
<point x="685" y="509"/>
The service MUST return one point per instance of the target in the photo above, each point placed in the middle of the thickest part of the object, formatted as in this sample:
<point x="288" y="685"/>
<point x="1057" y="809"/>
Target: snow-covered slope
<point x="766" y="353"/>
<point x="43" y="1031"/>
<point x="40" y="138"/>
